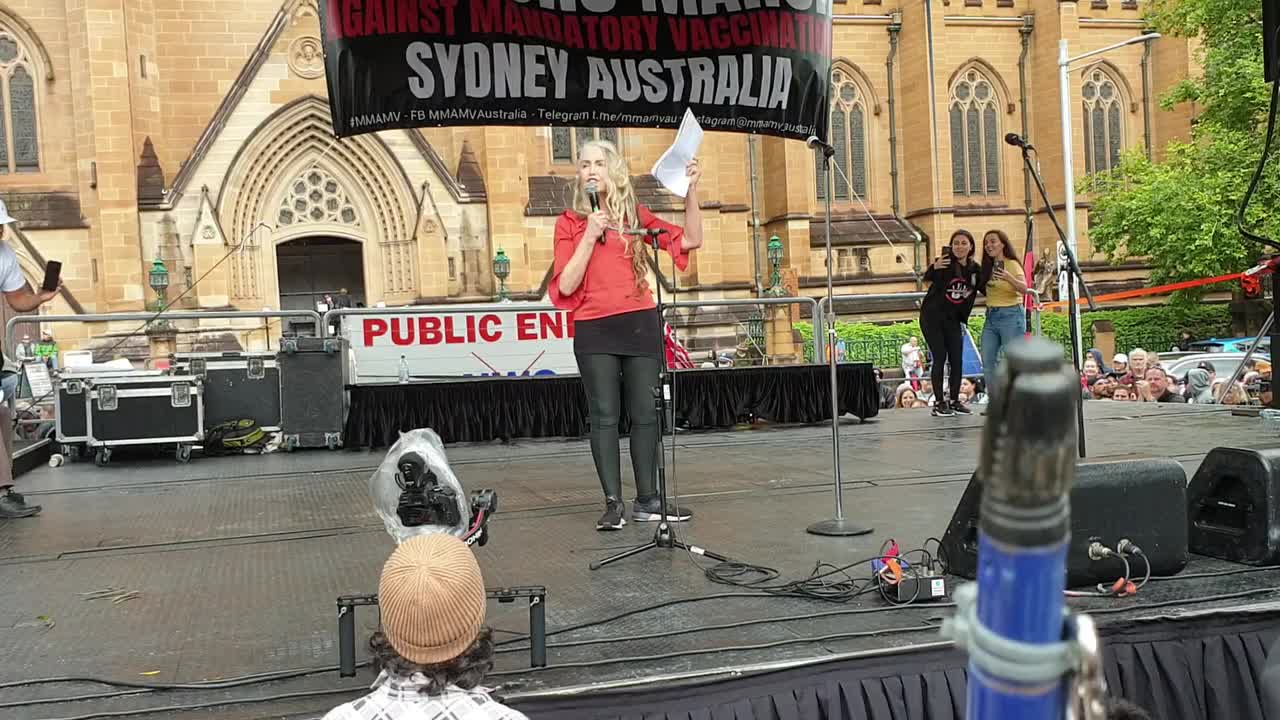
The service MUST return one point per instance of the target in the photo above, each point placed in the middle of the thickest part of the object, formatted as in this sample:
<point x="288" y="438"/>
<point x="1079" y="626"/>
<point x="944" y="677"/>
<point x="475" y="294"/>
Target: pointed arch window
<point x="975" y="135"/>
<point x="19" y="130"/>
<point x="848" y="136"/>
<point x="565" y="141"/>
<point x="1103" y="121"/>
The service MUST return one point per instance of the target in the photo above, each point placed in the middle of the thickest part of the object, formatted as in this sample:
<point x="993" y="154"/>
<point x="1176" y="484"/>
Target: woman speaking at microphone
<point x="601" y="270"/>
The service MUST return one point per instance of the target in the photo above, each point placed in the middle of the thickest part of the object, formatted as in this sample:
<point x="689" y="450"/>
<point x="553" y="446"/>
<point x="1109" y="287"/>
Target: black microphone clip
<point x="814" y="143"/>
<point x="1016" y="140"/>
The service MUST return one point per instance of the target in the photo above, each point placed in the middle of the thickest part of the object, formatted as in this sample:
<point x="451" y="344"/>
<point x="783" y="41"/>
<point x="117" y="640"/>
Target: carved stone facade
<point x="200" y="133"/>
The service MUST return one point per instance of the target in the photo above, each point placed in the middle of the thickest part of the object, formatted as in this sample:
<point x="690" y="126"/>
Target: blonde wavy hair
<point x="620" y="203"/>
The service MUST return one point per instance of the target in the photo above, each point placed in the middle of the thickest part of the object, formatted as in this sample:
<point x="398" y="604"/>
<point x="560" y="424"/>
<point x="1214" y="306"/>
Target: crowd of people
<point x="1136" y="376"/>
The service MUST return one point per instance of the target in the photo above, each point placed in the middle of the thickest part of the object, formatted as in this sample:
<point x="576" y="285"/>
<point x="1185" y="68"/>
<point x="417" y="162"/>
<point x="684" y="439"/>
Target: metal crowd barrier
<point x="151" y="316"/>
<point x="825" y="302"/>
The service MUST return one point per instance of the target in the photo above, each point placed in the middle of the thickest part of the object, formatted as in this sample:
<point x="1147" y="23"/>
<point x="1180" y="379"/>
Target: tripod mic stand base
<point x="663" y="537"/>
<point x="838" y="527"/>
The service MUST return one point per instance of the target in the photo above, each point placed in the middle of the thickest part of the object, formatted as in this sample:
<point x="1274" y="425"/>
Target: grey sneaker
<point x="650" y="510"/>
<point x="613" y="515"/>
<point x="12" y="506"/>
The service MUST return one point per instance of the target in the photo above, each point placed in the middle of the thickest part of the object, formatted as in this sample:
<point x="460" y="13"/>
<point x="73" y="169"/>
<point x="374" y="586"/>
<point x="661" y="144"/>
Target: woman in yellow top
<point x="1004" y="283"/>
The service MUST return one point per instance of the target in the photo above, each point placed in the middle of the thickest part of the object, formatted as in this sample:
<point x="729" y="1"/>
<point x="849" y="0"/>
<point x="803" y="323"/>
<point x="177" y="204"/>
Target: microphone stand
<point x="664" y="536"/>
<point x="1073" y="269"/>
<point x="838" y="526"/>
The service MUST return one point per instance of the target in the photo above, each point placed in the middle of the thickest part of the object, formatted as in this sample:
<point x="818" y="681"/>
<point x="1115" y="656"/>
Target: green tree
<point x="1180" y="213"/>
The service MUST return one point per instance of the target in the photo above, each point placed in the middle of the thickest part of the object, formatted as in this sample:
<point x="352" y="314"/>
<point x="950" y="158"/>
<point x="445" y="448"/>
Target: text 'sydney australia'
<point x="741" y="65"/>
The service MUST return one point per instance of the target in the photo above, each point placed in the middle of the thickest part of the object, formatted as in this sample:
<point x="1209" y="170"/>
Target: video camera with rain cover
<point x="416" y="492"/>
<point x="424" y="500"/>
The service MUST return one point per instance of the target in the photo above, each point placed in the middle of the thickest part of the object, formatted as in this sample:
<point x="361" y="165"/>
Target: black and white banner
<point x="741" y="65"/>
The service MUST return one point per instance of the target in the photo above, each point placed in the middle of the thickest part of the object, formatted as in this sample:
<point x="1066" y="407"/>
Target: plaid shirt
<point x="400" y="698"/>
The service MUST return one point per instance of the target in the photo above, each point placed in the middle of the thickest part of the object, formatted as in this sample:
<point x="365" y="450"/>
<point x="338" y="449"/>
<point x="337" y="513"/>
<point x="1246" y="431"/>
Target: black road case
<point x="313" y="387"/>
<point x="237" y="386"/>
<point x="71" y="420"/>
<point x="159" y="410"/>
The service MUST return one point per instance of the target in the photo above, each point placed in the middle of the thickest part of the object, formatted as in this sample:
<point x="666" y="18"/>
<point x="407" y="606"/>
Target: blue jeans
<point x="1004" y="325"/>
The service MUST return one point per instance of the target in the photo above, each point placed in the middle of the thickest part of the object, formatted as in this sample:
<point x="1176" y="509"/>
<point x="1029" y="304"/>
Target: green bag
<point x="233" y="437"/>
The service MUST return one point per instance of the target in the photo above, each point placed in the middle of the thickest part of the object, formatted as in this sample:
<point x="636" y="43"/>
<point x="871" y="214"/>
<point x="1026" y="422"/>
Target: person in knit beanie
<point x="432" y="648"/>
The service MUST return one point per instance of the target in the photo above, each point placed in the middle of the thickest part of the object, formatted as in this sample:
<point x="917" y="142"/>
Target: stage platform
<point x="237" y="563"/>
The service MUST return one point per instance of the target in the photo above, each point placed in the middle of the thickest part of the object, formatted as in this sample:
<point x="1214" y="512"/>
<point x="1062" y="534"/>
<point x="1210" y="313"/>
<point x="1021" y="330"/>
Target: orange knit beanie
<point x="432" y="599"/>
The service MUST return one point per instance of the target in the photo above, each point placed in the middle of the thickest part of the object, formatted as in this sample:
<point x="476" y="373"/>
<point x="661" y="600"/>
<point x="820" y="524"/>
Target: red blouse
<point x="608" y="286"/>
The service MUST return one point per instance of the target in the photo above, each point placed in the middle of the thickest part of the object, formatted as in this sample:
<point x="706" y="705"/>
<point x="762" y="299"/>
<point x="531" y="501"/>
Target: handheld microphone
<point x="1015" y="140"/>
<point x="593" y="195"/>
<point x="814" y="143"/>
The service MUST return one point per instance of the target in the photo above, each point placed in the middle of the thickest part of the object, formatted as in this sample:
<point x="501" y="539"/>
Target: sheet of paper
<point x="670" y="168"/>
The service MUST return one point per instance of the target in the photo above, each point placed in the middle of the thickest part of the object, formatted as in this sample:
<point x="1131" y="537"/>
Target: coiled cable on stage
<point x="238" y="247"/>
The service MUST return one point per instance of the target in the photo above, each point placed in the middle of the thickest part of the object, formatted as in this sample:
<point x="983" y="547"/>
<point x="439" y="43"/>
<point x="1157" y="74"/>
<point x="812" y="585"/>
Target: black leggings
<point x="944" y="337"/>
<point x="608" y="379"/>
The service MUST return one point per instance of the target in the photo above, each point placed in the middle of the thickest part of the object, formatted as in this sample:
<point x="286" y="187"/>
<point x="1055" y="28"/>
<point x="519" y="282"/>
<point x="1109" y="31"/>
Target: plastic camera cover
<point x="386" y="491"/>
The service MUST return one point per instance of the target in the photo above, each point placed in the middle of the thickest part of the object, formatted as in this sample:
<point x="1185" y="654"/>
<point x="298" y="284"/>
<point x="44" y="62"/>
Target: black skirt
<point x="633" y="333"/>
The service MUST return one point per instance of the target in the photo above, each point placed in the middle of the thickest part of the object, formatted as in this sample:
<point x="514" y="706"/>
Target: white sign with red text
<point x="487" y="341"/>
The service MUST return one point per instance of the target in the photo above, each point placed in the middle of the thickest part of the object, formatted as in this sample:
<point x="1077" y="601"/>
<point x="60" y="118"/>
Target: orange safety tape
<point x="1158" y="290"/>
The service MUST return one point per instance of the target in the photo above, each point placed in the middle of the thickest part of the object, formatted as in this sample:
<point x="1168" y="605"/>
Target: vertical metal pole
<point x="832" y="344"/>
<point x="346" y="640"/>
<point x="838" y="526"/>
<point x="538" y="631"/>
<point x="1069" y="180"/>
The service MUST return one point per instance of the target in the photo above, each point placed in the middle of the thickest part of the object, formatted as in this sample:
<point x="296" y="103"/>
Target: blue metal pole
<point x="1026" y="467"/>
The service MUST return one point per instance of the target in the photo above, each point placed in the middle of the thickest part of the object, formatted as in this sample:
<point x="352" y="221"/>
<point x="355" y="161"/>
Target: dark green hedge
<point x="1154" y="328"/>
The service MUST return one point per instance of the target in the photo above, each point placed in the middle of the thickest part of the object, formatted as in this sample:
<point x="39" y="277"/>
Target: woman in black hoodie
<point x="953" y="287"/>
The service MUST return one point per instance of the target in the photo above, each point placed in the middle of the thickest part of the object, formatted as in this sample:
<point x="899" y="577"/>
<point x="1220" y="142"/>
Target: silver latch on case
<point x="257" y="368"/>
<point x="74" y="387"/>
<point x="107" y="397"/>
<point x="180" y="395"/>
<point x="199" y="366"/>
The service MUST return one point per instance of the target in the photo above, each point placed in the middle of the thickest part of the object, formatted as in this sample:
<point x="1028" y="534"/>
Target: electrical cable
<point x="730" y="648"/>
<point x="214" y="704"/>
<point x="1262" y="162"/>
<point x="234" y="249"/>
<point x="147" y="323"/>
<point x="664" y="656"/>
<point x="727" y="626"/>
<point x="1215" y="574"/>
<point x="198" y="685"/>
<point x="140" y="688"/>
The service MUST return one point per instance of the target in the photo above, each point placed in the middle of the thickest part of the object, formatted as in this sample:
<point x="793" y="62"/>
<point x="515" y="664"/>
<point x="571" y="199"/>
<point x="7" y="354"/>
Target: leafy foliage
<point x="1180" y="213"/>
<point x="1154" y="328"/>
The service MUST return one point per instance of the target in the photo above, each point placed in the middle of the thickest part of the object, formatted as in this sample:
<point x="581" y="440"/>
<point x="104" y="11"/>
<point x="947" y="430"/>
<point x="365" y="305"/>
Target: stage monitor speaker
<point x="1270" y="41"/>
<point x="1141" y="500"/>
<point x="1233" y="505"/>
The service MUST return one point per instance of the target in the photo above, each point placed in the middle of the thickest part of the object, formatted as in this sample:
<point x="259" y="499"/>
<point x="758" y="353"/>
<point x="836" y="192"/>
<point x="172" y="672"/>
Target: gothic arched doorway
<point x="311" y="268"/>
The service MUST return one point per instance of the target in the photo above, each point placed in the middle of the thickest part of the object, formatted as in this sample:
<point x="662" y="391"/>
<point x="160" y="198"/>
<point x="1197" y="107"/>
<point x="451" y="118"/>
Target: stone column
<point x="163" y="339"/>
<point x="97" y="38"/>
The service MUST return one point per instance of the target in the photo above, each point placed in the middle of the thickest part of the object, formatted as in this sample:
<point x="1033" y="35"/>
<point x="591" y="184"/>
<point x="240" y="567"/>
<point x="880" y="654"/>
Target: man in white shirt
<point x="912" y="368"/>
<point x="22" y="298"/>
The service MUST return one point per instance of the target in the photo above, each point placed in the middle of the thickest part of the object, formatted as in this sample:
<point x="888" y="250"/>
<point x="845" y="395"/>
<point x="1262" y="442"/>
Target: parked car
<point x="1239" y="345"/>
<point x="1224" y="363"/>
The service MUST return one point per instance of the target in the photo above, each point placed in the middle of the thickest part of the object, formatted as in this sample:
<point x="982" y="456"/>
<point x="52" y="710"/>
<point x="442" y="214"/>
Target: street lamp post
<point x="775" y="262"/>
<point x="502" y="270"/>
<point x="158" y="278"/>
<point x="1068" y="170"/>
